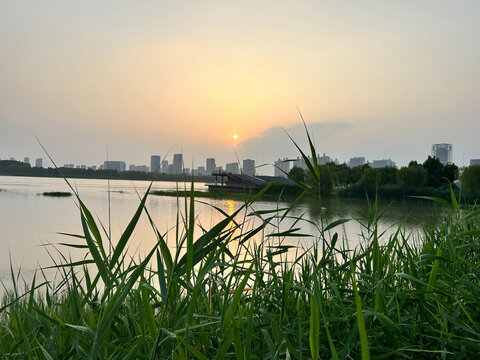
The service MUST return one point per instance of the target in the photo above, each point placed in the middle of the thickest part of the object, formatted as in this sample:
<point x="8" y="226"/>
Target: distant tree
<point x="327" y="180"/>
<point x="355" y="174"/>
<point x="387" y="175"/>
<point x="435" y="170"/>
<point x="471" y="178"/>
<point x="450" y="171"/>
<point x="297" y="173"/>
<point x="342" y="174"/>
<point x="13" y="167"/>
<point x="370" y="178"/>
<point x="412" y="163"/>
<point x="412" y="176"/>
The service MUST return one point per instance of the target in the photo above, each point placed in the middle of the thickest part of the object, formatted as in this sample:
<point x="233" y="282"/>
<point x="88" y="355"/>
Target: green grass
<point x="237" y="291"/>
<point x="57" y="194"/>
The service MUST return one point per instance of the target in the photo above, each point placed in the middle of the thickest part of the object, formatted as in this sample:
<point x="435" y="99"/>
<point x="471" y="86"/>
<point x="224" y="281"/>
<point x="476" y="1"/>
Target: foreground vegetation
<point x="237" y="291"/>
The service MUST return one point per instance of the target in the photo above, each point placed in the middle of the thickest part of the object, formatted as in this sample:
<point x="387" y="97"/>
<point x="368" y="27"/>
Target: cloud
<point x="275" y="143"/>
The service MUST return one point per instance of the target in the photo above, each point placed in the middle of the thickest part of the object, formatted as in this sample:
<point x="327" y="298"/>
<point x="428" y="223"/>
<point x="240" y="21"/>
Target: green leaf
<point x="230" y="311"/>
<point x="336" y="223"/>
<point x="314" y="336"/>
<point x="360" y="319"/>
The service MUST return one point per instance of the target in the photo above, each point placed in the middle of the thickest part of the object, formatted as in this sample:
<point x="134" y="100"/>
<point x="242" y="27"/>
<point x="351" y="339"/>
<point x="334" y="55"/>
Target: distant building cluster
<point x="114" y="165"/>
<point x="442" y="151"/>
<point x="321" y="160"/>
<point x="382" y="163"/>
<point x="356" y="161"/>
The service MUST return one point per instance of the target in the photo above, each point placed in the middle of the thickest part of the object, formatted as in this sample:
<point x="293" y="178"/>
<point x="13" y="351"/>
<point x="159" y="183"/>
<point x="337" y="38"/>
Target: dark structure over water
<point x="238" y="183"/>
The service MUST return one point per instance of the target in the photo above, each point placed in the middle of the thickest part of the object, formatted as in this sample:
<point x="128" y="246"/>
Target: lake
<point x="30" y="222"/>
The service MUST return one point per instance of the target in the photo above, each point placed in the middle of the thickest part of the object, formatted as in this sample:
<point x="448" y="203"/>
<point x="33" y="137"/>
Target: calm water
<point x="29" y="221"/>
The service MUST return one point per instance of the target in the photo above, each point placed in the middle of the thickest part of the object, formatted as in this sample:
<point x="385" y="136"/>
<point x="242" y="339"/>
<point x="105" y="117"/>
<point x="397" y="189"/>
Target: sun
<point x="235" y="136"/>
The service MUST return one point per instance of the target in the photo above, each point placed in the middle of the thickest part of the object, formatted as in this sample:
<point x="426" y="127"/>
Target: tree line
<point x="428" y="178"/>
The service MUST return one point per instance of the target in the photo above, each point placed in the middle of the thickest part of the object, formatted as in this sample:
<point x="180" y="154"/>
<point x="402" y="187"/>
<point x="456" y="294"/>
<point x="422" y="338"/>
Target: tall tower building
<point x="443" y="152"/>
<point x="248" y="167"/>
<point x="155" y="164"/>
<point x="232" y="168"/>
<point x="281" y="165"/>
<point x="210" y="166"/>
<point x="165" y="166"/>
<point x="26" y="160"/>
<point x="177" y="163"/>
<point x="39" y="162"/>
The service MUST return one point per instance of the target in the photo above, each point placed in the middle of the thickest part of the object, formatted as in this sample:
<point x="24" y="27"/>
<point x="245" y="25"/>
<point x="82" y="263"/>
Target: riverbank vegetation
<point x="431" y="178"/>
<point x="241" y="290"/>
<point x="57" y="193"/>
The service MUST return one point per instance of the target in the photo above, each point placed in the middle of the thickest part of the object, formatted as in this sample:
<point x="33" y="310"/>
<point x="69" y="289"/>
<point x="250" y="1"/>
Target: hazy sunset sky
<point x="380" y="79"/>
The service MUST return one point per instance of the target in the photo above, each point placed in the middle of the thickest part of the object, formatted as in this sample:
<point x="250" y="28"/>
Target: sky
<point x="380" y="79"/>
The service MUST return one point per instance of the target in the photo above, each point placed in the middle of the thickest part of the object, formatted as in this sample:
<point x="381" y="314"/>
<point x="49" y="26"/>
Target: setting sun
<point x="235" y="137"/>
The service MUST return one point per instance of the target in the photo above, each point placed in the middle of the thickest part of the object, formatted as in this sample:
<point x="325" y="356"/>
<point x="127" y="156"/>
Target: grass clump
<point x="57" y="193"/>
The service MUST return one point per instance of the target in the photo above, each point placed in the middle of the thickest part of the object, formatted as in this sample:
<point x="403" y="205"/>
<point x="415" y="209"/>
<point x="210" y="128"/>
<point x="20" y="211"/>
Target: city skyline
<point x="379" y="80"/>
<point x="442" y="151"/>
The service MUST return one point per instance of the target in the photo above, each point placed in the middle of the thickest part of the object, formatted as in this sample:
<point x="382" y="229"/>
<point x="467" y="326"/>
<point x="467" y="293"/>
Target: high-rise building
<point x="39" y="162"/>
<point x="131" y="167"/>
<point x="26" y="160"/>
<point x="232" y="168"/>
<point x="141" y="168"/>
<point x="383" y="163"/>
<point x="281" y="167"/>
<point x="248" y="167"/>
<point x="165" y="166"/>
<point x="114" y="165"/>
<point x="210" y="166"/>
<point x="443" y="152"/>
<point x="322" y="160"/>
<point x="300" y="162"/>
<point x="356" y="161"/>
<point x="155" y="163"/>
<point x="170" y="169"/>
<point x="474" y="162"/>
<point x="201" y="170"/>
<point x="177" y="163"/>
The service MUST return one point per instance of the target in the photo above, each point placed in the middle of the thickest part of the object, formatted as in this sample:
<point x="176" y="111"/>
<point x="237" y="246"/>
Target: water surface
<point x="30" y="222"/>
